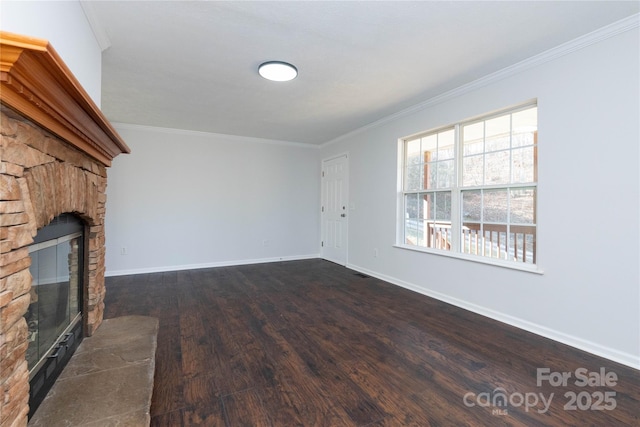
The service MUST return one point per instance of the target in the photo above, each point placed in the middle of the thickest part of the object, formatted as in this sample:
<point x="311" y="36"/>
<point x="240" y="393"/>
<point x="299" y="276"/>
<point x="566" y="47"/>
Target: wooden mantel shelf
<point x="35" y="82"/>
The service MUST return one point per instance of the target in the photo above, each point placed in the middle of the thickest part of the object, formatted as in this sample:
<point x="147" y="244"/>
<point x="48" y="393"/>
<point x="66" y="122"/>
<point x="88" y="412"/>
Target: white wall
<point x="65" y="26"/>
<point x="588" y="206"/>
<point x="188" y="199"/>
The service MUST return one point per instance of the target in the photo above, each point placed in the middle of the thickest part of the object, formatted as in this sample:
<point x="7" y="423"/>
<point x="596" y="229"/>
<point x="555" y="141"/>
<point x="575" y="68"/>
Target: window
<point x="471" y="188"/>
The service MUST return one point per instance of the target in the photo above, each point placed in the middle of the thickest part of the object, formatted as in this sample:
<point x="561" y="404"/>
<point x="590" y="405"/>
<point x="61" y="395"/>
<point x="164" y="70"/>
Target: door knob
<point x="343" y="215"/>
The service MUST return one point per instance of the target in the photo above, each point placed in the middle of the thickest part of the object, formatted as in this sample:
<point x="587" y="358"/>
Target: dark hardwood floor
<point x="310" y="343"/>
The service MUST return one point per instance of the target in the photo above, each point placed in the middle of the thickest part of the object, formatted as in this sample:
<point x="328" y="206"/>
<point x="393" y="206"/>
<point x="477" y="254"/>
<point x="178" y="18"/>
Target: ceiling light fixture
<point x="278" y="71"/>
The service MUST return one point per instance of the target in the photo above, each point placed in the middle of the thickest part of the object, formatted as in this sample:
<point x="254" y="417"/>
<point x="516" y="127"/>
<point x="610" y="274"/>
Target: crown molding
<point x="98" y="29"/>
<point x="36" y="83"/>
<point x="579" y="43"/>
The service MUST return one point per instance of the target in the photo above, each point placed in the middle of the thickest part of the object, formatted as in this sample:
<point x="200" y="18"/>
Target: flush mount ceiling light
<point x="278" y="71"/>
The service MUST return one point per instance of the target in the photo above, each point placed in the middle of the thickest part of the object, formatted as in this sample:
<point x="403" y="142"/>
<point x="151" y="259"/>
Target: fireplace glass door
<point x="54" y="316"/>
<point x="55" y="301"/>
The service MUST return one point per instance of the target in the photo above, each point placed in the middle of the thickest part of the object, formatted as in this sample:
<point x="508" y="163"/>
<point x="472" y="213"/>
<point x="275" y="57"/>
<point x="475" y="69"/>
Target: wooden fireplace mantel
<point x="35" y="82"/>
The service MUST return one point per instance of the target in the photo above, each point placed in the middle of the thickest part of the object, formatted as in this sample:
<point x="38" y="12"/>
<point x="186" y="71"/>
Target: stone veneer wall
<point x="41" y="176"/>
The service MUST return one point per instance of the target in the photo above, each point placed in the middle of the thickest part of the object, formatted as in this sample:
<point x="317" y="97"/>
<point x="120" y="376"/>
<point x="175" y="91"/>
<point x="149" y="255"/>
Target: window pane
<point x="471" y="238"/>
<point x="428" y="205"/>
<point x="438" y="235"/>
<point x="525" y="126"/>
<point x="523" y="139"/>
<point x="472" y="205"/>
<point x="413" y="178"/>
<point x="497" y="168"/>
<point x="430" y="175"/>
<point x="530" y="249"/>
<point x="445" y="144"/>
<point x="522" y="203"/>
<point x="443" y="206"/>
<point x="413" y="152"/>
<point x="445" y="174"/>
<point x="430" y="148"/>
<point x="411" y="209"/>
<point x="522" y="165"/>
<point x="494" y="241"/>
<point x="421" y="233"/>
<point x="472" y="171"/>
<point x="498" y="133"/>
<point x="411" y="232"/>
<point x="522" y="246"/>
<point x="525" y="120"/>
<point x="495" y="206"/>
<point x="473" y="138"/>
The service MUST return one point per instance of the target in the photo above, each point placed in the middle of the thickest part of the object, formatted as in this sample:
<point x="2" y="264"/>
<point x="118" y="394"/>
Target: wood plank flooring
<point x="310" y="343"/>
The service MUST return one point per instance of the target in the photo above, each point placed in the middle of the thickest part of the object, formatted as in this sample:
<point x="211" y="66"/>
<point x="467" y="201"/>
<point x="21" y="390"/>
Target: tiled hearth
<point x="55" y="148"/>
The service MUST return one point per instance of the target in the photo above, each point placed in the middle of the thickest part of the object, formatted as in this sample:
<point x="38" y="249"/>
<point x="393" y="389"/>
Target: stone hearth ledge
<point x="109" y="379"/>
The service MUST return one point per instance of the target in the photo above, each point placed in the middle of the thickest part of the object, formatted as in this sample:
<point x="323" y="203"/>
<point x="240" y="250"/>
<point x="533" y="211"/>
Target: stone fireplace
<point x="55" y="148"/>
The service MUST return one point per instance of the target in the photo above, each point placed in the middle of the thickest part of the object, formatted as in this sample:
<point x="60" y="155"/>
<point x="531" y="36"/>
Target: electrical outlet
<point x="375" y="253"/>
<point x="265" y="243"/>
<point x="124" y="250"/>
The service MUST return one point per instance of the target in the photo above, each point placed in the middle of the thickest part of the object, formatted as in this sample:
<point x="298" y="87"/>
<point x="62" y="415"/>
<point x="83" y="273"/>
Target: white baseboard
<point x="111" y="273"/>
<point x="623" y="358"/>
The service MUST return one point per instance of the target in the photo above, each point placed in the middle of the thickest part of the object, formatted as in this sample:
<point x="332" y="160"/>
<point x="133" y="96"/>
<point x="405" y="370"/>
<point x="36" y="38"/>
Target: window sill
<point x="473" y="258"/>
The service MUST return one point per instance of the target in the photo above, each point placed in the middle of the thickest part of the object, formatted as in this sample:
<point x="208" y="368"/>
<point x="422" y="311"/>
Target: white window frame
<point x="456" y="197"/>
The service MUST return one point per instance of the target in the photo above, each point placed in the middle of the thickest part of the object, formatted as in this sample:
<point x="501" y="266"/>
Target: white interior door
<point x="335" y="219"/>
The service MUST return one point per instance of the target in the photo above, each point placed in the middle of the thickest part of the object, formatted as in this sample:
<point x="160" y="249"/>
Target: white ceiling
<point x="193" y="64"/>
